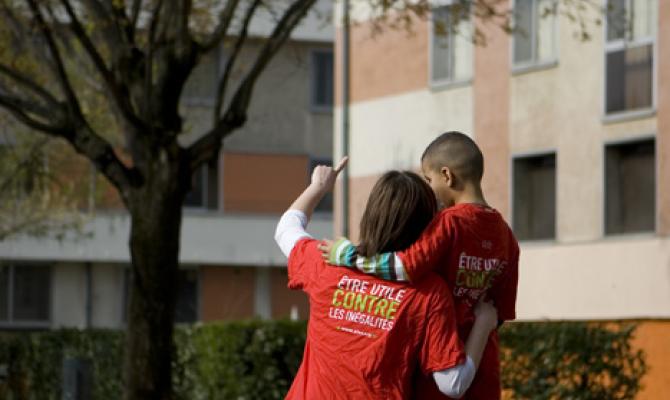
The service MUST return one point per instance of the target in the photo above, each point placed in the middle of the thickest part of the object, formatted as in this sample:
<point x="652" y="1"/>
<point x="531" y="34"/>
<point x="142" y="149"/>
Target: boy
<point x="469" y="244"/>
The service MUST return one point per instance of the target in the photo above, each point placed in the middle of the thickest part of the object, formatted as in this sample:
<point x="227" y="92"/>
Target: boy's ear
<point x="446" y="174"/>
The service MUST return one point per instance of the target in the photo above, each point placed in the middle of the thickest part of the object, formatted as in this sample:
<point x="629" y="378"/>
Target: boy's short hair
<point x="458" y="152"/>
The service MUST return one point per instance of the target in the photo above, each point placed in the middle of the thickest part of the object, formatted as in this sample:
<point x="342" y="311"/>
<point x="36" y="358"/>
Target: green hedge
<point x="257" y="360"/>
<point x="570" y="360"/>
<point x="240" y="360"/>
<point x="34" y="362"/>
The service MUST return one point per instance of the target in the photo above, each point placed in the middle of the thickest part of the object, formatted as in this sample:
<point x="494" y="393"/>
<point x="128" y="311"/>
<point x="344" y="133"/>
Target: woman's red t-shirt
<point x="367" y="336"/>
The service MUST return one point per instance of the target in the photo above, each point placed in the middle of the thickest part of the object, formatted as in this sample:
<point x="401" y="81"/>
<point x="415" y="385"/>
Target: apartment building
<point x="230" y="266"/>
<point x="576" y="139"/>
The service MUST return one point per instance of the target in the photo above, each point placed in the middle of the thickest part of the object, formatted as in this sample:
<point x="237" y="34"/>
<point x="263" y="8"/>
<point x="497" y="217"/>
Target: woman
<point x="366" y="336"/>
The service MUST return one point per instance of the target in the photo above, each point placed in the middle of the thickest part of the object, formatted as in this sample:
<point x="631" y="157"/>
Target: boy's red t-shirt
<point x="367" y="336"/>
<point x="475" y="251"/>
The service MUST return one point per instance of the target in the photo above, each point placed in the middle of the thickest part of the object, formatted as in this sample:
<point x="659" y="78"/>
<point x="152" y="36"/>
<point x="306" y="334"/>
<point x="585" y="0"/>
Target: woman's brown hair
<point x="400" y="206"/>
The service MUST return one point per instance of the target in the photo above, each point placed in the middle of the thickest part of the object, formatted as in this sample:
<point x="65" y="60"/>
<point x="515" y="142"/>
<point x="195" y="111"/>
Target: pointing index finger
<point x="343" y="163"/>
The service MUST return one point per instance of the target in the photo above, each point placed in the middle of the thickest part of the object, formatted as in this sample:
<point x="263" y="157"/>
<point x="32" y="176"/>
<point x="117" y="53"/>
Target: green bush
<point x="238" y="360"/>
<point x="257" y="360"/>
<point x="34" y="362"/>
<point x="570" y="360"/>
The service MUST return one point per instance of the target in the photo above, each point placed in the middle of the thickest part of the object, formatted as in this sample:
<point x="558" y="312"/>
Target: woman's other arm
<point x="454" y="382"/>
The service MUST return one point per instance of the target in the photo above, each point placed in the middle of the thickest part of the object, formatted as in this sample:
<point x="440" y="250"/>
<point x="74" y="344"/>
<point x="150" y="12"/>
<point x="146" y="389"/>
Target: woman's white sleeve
<point x="454" y="381"/>
<point x="290" y="229"/>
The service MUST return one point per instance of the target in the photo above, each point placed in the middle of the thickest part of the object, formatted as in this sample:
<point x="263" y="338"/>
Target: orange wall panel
<point x="653" y="337"/>
<point x="491" y="111"/>
<point x="262" y="183"/>
<point x="226" y="293"/>
<point x="284" y="299"/>
<point x="394" y="61"/>
<point x="360" y="188"/>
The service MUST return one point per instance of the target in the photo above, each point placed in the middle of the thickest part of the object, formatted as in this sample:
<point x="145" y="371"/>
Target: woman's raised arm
<point x="292" y="225"/>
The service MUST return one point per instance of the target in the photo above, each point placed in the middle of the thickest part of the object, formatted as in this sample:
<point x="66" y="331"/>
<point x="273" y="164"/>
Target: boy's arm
<point x="407" y="265"/>
<point x="387" y="266"/>
<point x="454" y="381"/>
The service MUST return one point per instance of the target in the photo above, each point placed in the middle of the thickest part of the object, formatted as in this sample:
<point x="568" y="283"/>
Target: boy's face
<point x="440" y="182"/>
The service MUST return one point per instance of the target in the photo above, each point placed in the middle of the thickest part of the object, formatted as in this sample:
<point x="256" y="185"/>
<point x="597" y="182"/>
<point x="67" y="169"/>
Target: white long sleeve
<point x="290" y="229"/>
<point x="454" y="381"/>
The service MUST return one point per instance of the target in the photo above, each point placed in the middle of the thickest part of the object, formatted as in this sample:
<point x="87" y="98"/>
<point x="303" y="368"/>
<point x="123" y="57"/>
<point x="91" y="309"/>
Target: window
<point x="629" y="55"/>
<point x="534" y="32"/>
<point x="188" y="288"/>
<point x="630" y="187"/>
<point x="200" y="88"/>
<point x="535" y="197"/>
<point x="326" y="204"/>
<point x="322" y="80"/>
<point x="204" y="189"/>
<point x="187" y="296"/>
<point x="25" y="295"/>
<point x="451" y="45"/>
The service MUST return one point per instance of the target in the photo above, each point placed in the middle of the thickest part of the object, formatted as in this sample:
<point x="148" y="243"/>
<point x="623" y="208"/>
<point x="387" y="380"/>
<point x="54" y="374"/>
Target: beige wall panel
<point x="392" y="132"/>
<point x="68" y="296"/>
<point x="560" y="109"/>
<point x="627" y="277"/>
<point x="663" y="138"/>
<point x="534" y="111"/>
<point x="629" y="129"/>
<point x="108" y="291"/>
<point x="609" y="279"/>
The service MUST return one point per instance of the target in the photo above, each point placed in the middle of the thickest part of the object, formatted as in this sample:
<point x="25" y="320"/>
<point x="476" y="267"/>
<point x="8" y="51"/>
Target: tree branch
<point x="207" y="147"/>
<point x="101" y="153"/>
<point x="135" y="10"/>
<point x="109" y="22"/>
<point x="148" y="68"/>
<point x="29" y="106"/>
<point x="21" y="109"/>
<point x="18" y="28"/>
<point x="117" y="89"/>
<point x="74" y="127"/>
<point x="230" y="62"/>
<point x="225" y="18"/>
<point x="281" y="33"/>
<point x="28" y="83"/>
<point x="82" y="138"/>
<point x="61" y="73"/>
<point x="24" y="162"/>
<point x="185" y="13"/>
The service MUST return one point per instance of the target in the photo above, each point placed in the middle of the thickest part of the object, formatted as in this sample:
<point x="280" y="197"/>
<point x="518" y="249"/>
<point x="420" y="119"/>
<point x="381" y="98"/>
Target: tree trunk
<point x="156" y="212"/>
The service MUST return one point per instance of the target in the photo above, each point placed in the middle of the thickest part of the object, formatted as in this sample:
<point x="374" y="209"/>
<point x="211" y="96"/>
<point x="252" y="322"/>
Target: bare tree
<point x="142" y="53"/>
